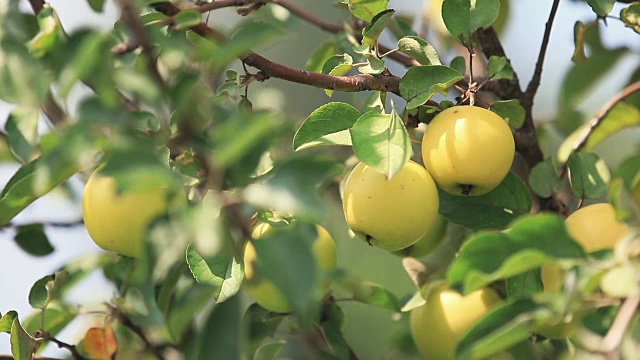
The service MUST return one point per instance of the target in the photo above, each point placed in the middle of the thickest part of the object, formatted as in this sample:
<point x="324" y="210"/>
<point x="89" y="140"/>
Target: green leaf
<point x="297" y="277"/>
<point x="544" y="179"/>
<point x="371" y="33"/>
<point x="588" y="175"/>
<point x="374" y="65"/>
<point x="46" y="290"/>
<point x="248" y="36"/>
<point x="222" y="273"/>
<point x="337" y="65"/>
<point x="366" y="9"/>
<point x="496" y="209"/>
<point x="375" y="102"/>
<point x="530" y="242"/>
<point x="419" y="50"/>
<point x="579" y="54"/>
<point x="22" y="133"/>
<point x="524" y="285"/>
<point x="459" y="64"/>
<point x="22" y="344"/>
<point x="292" y="187"/>
<point x="464" y="17"/>
<point x="420" y="83"/>
<point x="186" y="19"/>
<point x="6" y="321"/>
<point x="510" y="110"/>
<point x="621" y="281"/>
<point x="50" y="35"/>
<point x="332" y="322"/>
<point x="601" y="7"/>
<point x="259" y="324"/>
<point x="374" y="294"/>
<point x="501" y="328"/>
<point x="220" y="335"/>
<point x="23" y="79"/>
<point x="582" y="78"/>
<point x="628" y="170"/>
<point x="621" y="117"/>
<point x="96" y="5"/>
<point x="499" y="68"/>
<point x="631" y="17"/>
<point x="269" y="350"/>
<point x="32" y="181"/>
<point x="32" y="239"/>
<point x="382" y="142"/>
<point x="320" y="55"/>
<point x="327" y="125"/>
<point x="56" y="318"/>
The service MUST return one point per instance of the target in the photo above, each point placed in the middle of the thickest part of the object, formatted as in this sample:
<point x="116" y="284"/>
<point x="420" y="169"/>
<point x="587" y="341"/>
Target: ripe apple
<point x="595" y="227"/>
<point x="429" y="242"/>
<point x="468" y="150"/>
<point x="118" y="221"/>
<point x="390" y="214"/>
<point x="447" y="315"/>
<point x="264" y="291"/>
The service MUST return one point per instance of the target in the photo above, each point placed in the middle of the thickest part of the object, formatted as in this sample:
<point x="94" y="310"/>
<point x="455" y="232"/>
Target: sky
<point x="521" y="41"/>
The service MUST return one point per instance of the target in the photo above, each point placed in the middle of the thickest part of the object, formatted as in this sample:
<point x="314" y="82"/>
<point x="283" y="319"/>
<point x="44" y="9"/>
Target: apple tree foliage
<point x="167" y="97"/>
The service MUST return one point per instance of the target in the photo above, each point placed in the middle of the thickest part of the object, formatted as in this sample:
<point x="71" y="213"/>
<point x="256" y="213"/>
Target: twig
<point x="37" y="5"/>
<point x="603" y="112"/>
<point x="45" y="336"/>
<point x="309" y="16"/>
<point x="534" y="84"/>
<point x="269" y="68"/>
<point x="620" y="324"/>
<point x="125" y="321"/>
<point x="130" y="18"/>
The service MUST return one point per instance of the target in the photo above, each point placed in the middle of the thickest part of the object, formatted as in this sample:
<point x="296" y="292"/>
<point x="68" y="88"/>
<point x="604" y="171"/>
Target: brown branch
<point x="603" y="112"/>
<point x="130" y="18"/>
<point x="309" y="16"/>
<point x="45" y="336"/>
<point x="534" y="84"/>
<point x="616" y="332"/>
<point x="269" y="68"/>
<point x="125" y="321"/>
<point x="37" y="5"/>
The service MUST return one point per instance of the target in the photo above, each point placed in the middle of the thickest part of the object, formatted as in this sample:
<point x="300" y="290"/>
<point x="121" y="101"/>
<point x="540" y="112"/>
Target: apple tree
<point x="236" y="231"/>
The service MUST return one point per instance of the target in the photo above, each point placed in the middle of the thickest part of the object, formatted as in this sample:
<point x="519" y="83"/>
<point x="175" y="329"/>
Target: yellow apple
<point x="429" y="242"/>
<point x="468" y="150"/>
<point x="447" y="315"/>
<point x="390" y="214"/>
<point x="118" y="221"/>
<point x="595" y="227"/>
<point x="264" y="291"/>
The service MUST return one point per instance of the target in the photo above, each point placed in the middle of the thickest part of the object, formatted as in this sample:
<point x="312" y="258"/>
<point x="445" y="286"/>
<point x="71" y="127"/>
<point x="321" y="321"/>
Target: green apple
<point x="429" y="242"/>
<point x="437" y="325"/>
<point x="595" y="227"/>
<point x="118" y="221"/>
<point x="468" y="150"/>
<point x="390" y="214"/>
<point x="264" y="291"/>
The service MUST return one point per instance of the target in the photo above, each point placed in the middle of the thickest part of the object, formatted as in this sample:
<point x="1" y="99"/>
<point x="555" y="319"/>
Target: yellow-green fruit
<point x="595" y="227"/>
<point x="429" y="242"/>
<point x="264" y="291"/>
<point x="390" y="214"/>
<point x="468" y="150"/>
<point x="447" y="315"/>
<point x="118" y="221"/>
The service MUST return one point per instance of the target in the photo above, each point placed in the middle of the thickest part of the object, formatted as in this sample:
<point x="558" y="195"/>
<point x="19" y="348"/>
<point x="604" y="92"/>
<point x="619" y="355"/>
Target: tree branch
<point x="125" y="321"/>
<point x="614" y="336"/>
<point x="37" y="5"/>
<point x="269" y="68"/>
<point x="130" y="18"/>
<point x="603" y="112"/>
<point x="534" y="84"/>
<point x="45" y="336"/>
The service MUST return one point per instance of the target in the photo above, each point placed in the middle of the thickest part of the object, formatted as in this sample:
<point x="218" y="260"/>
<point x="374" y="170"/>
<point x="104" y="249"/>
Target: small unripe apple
<point x="429" y="242"/>
<point x="595" y="227"/>
<point x="390" y="214"/>
<point x="118" y="221"/>
<point x="438" y="325"/>
<point x="468" y="150"/>
<point x="263" y="290"/>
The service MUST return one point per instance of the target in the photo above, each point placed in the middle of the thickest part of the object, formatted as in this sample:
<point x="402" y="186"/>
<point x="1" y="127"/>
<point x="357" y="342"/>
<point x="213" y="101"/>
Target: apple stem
<point x="368" y="238"/>
<point x="466" y="189"/>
